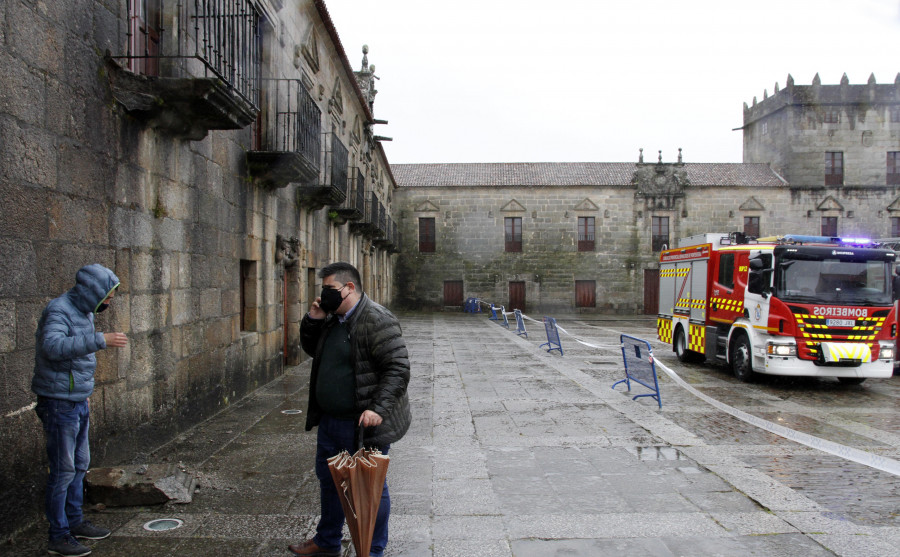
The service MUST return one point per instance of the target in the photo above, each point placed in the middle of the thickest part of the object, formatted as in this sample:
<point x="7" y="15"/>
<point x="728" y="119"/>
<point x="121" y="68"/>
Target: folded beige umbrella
<point x="360" y="481"/>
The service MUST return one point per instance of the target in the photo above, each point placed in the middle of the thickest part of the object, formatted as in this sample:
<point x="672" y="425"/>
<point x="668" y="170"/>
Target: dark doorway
<point x="453" y="292"/>
<point x="651" y="291"/>
<point x="516" y="295"/>
<point x="585" y="294"/>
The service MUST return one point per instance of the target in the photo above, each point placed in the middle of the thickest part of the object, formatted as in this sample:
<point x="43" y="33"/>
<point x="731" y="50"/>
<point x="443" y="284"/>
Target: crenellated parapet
<point x="843" y="94"/>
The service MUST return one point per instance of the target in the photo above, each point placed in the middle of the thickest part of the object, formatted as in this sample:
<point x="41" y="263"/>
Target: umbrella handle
<point x="359" y="436"/>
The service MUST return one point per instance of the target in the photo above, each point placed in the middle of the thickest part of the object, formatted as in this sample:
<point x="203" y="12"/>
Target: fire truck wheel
<point x="851" y="380"/>
<point x="681" y="350"/>
<point x="741" y="363"/>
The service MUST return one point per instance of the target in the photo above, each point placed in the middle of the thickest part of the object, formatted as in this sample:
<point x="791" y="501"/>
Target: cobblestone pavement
<point x="866" y="417"/>
<point x="518" y="452"/>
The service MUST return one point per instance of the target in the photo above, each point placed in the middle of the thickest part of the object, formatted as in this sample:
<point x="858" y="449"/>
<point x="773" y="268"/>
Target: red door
<point x="585" y="294"/>
<point x="453" y="292"/>
<point x="516" y="295"/>
<point x="651" y="291"/>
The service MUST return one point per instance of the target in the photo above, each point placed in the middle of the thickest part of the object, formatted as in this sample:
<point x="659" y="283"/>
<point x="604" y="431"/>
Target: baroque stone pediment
<point x="427" y="207"/>
<point x="310" y="50"/>
<point x="752" y="204"/>
<point x="513" y="206"/>
<point x="587" y="205"/>
<point x="829" y="204"/>
<point x="663" y="183"/>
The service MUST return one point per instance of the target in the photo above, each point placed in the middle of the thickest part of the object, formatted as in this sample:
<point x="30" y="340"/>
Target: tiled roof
<point x="754" y="175"/>
<point x="574" y="174"/>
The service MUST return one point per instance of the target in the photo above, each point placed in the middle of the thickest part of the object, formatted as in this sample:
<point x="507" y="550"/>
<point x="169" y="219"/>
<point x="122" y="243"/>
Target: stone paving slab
<point x="515" y="452"/>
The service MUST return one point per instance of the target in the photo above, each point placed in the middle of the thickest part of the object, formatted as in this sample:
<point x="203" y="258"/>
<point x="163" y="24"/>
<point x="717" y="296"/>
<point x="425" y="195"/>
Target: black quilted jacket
<point x="378" y="354"/>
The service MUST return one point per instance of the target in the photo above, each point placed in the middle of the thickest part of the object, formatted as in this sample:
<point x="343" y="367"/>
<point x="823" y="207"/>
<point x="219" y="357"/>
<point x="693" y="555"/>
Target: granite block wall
<point x="192" y="237"/>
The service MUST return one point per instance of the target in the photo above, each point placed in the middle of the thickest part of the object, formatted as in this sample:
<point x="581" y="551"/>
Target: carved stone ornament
<point x="867" y="138"/>
<point x="287" y="250"/>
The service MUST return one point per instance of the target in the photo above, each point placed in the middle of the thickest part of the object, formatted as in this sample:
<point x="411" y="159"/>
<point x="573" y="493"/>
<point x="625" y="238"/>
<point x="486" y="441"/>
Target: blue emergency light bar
<point x="857" y="241"/>
<point x="801" y="239"/>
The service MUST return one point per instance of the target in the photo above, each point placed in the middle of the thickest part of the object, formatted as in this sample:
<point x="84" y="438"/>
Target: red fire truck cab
<point x="791" y="305"/>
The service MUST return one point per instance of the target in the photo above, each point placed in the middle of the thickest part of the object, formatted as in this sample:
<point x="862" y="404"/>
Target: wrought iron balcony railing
<point x="513" y="242"/>
<point x="387" y="233"/>
<point x="585" y="242"/>
<point x="286" y="135"/>
<point x="354" y="206"/>
<point x="190" y="65"/>
<point x="397" y="245"/>
<point x="367" y="225"/>
<point x="382" y="221"/>
<point x="332" y="189"/>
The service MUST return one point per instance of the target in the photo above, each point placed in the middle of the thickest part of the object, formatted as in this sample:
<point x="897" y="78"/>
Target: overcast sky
<point x="595" y="80"/>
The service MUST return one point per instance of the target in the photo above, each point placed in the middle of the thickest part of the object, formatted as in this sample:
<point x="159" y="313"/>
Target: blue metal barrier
<point x="473" y="305"/>
<point x="520" y="324"/>
<point x="639" y="366"/>
<point x="494" y="309"/>
<point x="552" y="336"/>
<point x="503" y="313"/>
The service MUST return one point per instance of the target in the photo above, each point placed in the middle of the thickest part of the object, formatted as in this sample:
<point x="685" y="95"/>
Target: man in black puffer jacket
<point x="359" y="377"/>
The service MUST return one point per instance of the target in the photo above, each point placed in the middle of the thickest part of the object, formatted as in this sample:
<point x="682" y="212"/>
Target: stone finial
<point x="817" y="81"/>
<point x="790" y="81"/>
<point x="660" y="157"/>
<point x="776" y="89"/>
<point x="897" y="79"/>
<point x="871" y="78"/>
<point x="365" y="59"/>
<point x="679" y="156"/>
<point x="641" y="156"/>
<point x="754" y="100"/>
<point x="765" y="94"/>
<point x="845" y="80"/>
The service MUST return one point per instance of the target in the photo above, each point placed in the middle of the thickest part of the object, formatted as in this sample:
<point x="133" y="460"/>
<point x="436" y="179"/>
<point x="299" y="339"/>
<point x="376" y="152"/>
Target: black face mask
<point x="102" y="307"/>
<point x="331" y="299"/>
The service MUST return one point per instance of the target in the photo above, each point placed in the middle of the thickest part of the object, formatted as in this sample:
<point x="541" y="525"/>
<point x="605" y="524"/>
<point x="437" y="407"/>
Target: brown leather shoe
<point x="308" y="548"/>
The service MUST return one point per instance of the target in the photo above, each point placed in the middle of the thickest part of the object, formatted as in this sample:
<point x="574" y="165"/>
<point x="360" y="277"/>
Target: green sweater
<point x="336" y="386"/>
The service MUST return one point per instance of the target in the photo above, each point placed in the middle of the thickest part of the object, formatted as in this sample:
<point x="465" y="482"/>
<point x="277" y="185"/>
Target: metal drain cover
<point x="163" y="524"/>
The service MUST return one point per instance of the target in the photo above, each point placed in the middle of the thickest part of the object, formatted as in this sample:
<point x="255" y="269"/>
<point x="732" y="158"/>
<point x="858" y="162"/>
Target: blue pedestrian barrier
<point x="493" y="316"/>
<point x="639" y="366"/>
<point x="552" y="336"/>
<point x="520" y="324"/>
<point x="504" y="314"/>
<point x="472" y="305"/>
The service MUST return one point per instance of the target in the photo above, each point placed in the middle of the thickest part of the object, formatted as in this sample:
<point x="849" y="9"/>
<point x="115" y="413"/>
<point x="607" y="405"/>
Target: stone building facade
<point x="215" y="186"/>
<point x="586" y="236"/>
<point x="585" y="229"/>
<point x="798" y="125"/>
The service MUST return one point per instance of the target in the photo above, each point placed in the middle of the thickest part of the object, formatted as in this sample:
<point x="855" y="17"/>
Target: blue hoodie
<point x="66" y="340"/>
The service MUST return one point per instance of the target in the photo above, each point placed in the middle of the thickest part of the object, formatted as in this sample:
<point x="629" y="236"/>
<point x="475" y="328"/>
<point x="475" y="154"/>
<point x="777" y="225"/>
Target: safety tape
<point x="576" y="339"/>
<point x="22" y="410"/>
<point x="883" y="463"/>
<point x="565" y="332"/>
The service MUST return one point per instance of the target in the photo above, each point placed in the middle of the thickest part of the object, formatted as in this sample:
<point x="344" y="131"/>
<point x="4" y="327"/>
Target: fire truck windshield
<point x="846" y="281"/>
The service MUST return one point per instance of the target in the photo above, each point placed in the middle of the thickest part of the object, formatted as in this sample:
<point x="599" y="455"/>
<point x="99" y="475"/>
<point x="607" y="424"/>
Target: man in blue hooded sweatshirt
<point x="64" y="365"/>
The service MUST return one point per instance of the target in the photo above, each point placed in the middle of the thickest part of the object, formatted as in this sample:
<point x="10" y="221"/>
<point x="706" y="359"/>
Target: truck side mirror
<point x="759" y="277"/>
<point x="754" y="282"/>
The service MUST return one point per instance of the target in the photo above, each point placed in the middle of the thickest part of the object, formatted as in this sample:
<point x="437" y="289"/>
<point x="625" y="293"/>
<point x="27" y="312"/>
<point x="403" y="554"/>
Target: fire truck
<point x="792" y="305"/>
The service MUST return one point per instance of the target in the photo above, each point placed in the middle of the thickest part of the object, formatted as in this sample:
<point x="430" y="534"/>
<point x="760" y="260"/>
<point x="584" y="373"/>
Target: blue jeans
<point x="66" y="427"/>
<point x="334" y="436"/>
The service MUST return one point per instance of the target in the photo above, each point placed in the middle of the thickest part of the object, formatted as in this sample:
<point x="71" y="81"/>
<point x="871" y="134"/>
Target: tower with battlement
<point x="827" y="135"/>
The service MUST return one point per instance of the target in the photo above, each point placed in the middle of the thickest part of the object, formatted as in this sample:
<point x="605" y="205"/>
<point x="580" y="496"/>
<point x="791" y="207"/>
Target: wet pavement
<point x="518" y="452"/>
